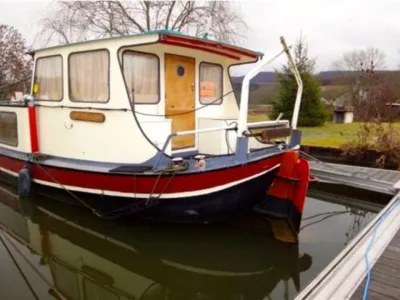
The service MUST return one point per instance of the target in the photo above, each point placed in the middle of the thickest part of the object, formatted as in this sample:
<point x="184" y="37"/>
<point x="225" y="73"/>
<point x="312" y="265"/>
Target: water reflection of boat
<point x="93" y="259"/>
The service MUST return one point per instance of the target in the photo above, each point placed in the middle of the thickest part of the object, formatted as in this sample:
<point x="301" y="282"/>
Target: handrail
<point x="267" y="123"/>
<point x="180" y="133"/>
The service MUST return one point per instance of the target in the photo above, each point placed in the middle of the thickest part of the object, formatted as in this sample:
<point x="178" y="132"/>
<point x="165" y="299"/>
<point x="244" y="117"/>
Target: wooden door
<point x="179" y="97"/>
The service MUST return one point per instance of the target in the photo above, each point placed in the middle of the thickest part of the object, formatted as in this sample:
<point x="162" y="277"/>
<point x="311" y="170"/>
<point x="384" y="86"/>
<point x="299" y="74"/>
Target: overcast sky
<point x="331" y="26"/>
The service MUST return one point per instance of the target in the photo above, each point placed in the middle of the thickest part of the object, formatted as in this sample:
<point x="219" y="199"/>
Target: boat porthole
<point x="180" y="71"/>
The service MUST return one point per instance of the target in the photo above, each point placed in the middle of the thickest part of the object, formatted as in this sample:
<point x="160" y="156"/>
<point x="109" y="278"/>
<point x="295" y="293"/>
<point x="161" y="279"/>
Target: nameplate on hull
<point x="87" y="116"/>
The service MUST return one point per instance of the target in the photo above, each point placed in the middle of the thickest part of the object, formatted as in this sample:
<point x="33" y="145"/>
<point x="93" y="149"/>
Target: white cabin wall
<point x="118" y="139"/>
<point x="227" y="110"/>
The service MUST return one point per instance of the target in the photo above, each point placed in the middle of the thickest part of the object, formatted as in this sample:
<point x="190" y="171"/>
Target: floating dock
<point x="372" y="179"/>
<point x="369" y="267"/>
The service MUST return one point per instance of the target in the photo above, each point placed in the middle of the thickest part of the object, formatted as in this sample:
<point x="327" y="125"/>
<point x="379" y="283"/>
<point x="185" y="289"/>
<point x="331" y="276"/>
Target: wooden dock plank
<point x="392" y="255"/>
<point x="371" y="295"/>
<point x="385" y="291"/>
<point x="374" y="173"/>
<point x="385" y="275"/>
<point x="387" y="279"/>
<point x="374" y="179"/>
<point x="384" y="269"/>
<point x="389" y="262"/>
<point x="388" y="176"/>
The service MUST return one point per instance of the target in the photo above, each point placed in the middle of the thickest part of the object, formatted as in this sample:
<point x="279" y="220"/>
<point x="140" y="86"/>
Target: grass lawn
<point x="329" y="135"/>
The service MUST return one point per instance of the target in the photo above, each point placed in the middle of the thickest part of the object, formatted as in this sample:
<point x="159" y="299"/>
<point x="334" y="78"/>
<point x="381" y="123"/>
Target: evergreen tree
<point x="312" y="110"/>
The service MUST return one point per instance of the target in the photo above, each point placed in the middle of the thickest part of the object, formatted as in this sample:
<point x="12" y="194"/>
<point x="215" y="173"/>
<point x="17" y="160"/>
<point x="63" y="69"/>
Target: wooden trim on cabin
<point x="87" y="116"/>
<point x="62" y="77"/>
<point x="159" y="76"/>
<point x="109" y="78"/>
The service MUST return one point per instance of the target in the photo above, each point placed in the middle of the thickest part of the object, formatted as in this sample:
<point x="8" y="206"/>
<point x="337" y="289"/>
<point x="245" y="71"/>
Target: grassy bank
<point x="329" y="135"/>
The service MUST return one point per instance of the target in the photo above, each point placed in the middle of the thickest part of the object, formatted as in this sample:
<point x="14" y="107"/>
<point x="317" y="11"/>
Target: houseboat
<point x="145" y="124"/>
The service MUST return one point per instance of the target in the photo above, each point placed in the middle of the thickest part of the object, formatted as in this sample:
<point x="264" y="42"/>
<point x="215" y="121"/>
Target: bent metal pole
<point x="296" y="74"/>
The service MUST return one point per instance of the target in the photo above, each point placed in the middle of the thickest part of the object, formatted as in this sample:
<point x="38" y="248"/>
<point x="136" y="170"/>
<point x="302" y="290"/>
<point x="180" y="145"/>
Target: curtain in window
<point x="210" y="83"/>
<point x="141" y="77"/>
<point x="48" y="78"/>
<point x="88" y="76"/>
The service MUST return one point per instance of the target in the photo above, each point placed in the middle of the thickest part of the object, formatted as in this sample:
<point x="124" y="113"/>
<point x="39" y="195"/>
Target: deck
<point x="385" y="275"/>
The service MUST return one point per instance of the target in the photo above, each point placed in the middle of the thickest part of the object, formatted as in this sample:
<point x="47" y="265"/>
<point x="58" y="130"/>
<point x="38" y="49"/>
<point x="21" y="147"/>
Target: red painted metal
<point x="203" y="43"/>
<point x="166" y="42"/>
<point x="33" y="128"/>
<point x="145" y="183"/>
<point x="292" y="180"/>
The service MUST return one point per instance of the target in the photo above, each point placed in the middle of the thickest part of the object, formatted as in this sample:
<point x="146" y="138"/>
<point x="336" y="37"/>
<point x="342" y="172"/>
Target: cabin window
<point x="89" y="76"/>
<point x="8" y="128"/>
<point x="48" y="79"/>
<point x="141" y="72"/>
<point x="210" y="83"/>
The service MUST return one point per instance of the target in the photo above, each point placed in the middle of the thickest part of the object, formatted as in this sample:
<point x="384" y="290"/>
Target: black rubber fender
<point x="24" y="183"/>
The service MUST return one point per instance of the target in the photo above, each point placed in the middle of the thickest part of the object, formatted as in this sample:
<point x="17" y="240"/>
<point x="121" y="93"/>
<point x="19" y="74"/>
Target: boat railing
<point x="266" y="124"/>
<point x="188" y="132"/>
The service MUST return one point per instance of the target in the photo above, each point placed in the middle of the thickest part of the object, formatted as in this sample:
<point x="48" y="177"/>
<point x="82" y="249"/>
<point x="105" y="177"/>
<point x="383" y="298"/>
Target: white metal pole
<point x="296" y="74"/>
<point x="244" y="97"/>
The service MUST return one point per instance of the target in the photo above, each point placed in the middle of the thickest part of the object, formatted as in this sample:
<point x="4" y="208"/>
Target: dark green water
<point x="88" y="258"/>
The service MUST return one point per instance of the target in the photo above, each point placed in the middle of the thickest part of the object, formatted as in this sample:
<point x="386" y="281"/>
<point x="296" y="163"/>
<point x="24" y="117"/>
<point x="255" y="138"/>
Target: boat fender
<point x="24" y="182"/>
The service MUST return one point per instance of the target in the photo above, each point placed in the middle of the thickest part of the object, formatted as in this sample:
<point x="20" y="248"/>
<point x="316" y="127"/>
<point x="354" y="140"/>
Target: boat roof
<point x="177" y="38"/>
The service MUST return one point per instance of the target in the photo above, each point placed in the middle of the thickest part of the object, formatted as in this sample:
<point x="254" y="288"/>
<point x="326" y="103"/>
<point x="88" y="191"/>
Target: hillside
<point x="264" y="87"/>
<point x="326" y="77"/>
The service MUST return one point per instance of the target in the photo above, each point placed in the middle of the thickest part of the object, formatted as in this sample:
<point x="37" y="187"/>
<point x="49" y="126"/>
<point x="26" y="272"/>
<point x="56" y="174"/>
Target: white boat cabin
<point x="118" y="99"/>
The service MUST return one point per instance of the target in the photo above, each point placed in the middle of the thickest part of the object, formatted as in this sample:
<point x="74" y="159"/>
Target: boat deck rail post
<point x="187" y="132"/>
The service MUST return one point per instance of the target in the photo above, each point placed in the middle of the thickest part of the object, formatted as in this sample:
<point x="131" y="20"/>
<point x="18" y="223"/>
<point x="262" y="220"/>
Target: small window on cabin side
<point x="141" y="74"/>
<point x="210" y="83"/>
<point x="89" y="76"/>
<point x="48" y="79"/>
<point x="8" y="128"/>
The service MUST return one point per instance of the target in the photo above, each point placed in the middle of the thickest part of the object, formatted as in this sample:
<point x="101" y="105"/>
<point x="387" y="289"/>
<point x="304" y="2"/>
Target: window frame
<point x="222" y="82"/>
<point x="108" y="73"/>
<point x="62" y="77"/>
<point x="16" y="118"/>
<point x="158" y="78"/>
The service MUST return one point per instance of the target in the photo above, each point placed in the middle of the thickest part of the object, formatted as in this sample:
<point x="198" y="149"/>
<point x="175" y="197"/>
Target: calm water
<point x="88" y="258"/>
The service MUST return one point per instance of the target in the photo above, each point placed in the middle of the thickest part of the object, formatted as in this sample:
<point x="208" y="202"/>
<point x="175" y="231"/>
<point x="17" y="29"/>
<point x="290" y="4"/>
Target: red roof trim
<point x="206" y="45"/>
<point x="199" y="48"/>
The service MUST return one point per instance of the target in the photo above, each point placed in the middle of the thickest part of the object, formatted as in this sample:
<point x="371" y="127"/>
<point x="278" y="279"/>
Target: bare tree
<point x="71" y="21"/>
<point x="15" y="65"/>
<point x="358" y="60"/>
